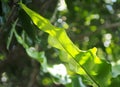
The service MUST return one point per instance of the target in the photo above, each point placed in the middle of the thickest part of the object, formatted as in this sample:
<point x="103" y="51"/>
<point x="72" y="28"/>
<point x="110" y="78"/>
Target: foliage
<point x="88" y="27"/>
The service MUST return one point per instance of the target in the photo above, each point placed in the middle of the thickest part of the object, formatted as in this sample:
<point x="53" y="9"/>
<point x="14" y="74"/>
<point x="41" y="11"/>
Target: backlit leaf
<point x="95" y="71"/>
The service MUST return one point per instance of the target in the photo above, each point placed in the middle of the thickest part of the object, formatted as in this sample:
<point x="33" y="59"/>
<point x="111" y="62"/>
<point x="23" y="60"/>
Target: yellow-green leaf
<point x="95" y="71"/>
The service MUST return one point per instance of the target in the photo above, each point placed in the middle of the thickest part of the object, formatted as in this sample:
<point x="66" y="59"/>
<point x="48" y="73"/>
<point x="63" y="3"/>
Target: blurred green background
<point x="88" y="23"/>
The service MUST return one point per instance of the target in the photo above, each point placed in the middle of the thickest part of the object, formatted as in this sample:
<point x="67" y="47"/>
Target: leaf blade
<point x="87" y="60"/>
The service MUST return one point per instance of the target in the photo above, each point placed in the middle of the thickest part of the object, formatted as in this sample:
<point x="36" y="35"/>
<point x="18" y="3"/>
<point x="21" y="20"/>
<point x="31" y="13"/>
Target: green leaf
<point x="116" y="69"/>
<point x="39" y="56"/>
<point x="11" y="34"/>
<point x="26" y="24"/>
<point x="68" y="85"/>
<point x="20" y="40"/>
<point x="97" y="72"/>
<point x="2" y="56"/>
<point x="55" y="33"/>
<point x="31" y="51"/>
<point x="77" y="82"/>
<point x="115" y="82"/>
<point x="97" y="69"/>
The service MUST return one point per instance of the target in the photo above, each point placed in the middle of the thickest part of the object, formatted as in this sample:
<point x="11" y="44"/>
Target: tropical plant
<point x="74" y="67"/>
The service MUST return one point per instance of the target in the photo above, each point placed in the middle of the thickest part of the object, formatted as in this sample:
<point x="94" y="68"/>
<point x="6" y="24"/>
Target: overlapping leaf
<point x="95" y="71"/>
<point x="115" y="82"/>
<point x="31" y="51"/>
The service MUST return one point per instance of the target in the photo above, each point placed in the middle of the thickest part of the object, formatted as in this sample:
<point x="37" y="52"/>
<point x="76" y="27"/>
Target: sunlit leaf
<point x="97" y="72"/>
